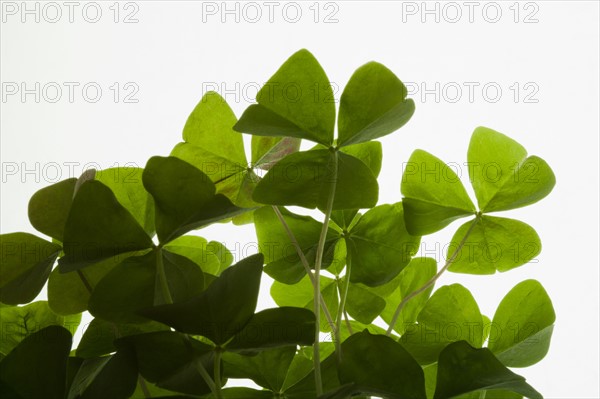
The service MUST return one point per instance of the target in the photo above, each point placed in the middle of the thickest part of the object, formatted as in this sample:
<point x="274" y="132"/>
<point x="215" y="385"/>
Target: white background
<point x="177" y="50"/>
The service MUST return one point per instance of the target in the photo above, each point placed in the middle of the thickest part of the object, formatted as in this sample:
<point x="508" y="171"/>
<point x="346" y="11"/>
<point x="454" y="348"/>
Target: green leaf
<point x="463" y="369"/>
<point x="305" y="388"/>
<point x="378" y="365"/>
<point x="184" y="196"/>
<point x="283" y="262"/>
<point x="222" y="310"/>
<point x="370" y="153"/>
<point x="169" y="360"/>
<point x="297" y="101"/>
<point x="450" y="315"/>
<point x="502" y="175"/>
<point x="414" y="276"/>
<point x="305" y="179"/>
<point x="276" y="327"/>
<point x="107" y="377"/>
<point x="135" y="285"/>
<point x="379" y="246"/>
<point x="301" y="295"/>
<point x="523" y="325"/>
<point x="211" y="257"/>
<point x="126" y="185"/>
<point x="99" y="227"/>
<point x="267" y="151"/>
<point x="494" y="244"/>
<point x="67" y="293"/>
<point x="36" y="368"/>
<point x="268" y="368"/>
<point x="49" y="207"/>
<point x="100" y="335"/>
<point x="373" y="105"/>
<point x="433" y="194"/>
<point x="25" y="262"/>
<point x="17" y="323"/>
<point x="362" y="304"/>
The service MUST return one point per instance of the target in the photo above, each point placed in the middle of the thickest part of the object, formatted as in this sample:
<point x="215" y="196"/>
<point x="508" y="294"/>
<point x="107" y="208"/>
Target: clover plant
<point x="358" y="314"/>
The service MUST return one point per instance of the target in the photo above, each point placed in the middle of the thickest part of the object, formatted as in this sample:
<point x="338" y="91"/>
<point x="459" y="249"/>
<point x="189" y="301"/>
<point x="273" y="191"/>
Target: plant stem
<point x="342" y="310"/>
<point x="206" y="377"/>
<point x="162" y="277"/>
<point x="85" y="282"/>
<point x="317" y="284"/>
<point x="218" y="373"/>
<point x="144" y="387"/>
<point x="304" y="262"/>
<point x="432" y="280"/>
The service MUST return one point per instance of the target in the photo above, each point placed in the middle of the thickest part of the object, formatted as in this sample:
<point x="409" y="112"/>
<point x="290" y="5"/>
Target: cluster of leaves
<point x="174" y="318"/>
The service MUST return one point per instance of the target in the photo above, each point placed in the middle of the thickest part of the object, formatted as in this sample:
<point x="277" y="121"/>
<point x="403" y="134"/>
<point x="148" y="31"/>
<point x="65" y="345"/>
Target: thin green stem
<point x="85" y="282"/>
<point x="348" y="323"/>
<point x="432" y="280"/>
<point x="206" y="377"/>
<point x="342" y="309"/>
<point x="218" y="393"/>
<point x="306" y="265"/>
<point x="317" y="284"/>
<point x="162" y="277"/>
<point x="144" y="386"/>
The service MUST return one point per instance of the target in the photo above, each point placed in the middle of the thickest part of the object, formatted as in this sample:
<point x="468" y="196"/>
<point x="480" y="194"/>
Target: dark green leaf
<point x="169" y="359"/>
<point x="297" y="101"/>
<point x="36" y="368"/>
<point x="522" y="326"/>
<point x="99" y="336"/>
<point x="99" y="227"/>
<point x="373" y="105"/>
<point x="450" y="315"/>
<point x="25" y="261"/>
<point x="49" y="207"/>
<point x="17" y="323"/>
<point x="433" y="194"/>
<point x="112" y="377"/>
<point x="184" y="196"/>
<point x="378" y="365"/>
<point x="463" y="369"/>
<point x="135" y="285"/>
<point x="222" y="310"/>
<point x="494" y="244"/>
<point x="283" y="262"/>
<point x="276" y="327"/>
<point x="379" y="246"/>
<point x="305" y="388"/>
<point x="268" y="369"/>
<point x="502" y="175"/>
<point x="126" y="185"/>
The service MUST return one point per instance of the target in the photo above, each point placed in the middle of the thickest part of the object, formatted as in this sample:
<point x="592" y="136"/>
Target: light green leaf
<point x="126" y="185"/>
<point x="373" y="105"/>
<point x="414" y="276"/>
<point x="19" y="322"/>
<point x="168" y="359"/>
<point x="25" y="264"/>
<point x="49" y="207"/>
<point x="283" y="262"/>
<point x="494" y="244"/>
<point x="36" y="368"/>
<point x="502" y="175"/>
<point x="450" y="315"/>
<point x="198" y="250"/>
<point x="267" y="151"/>
<point x="463" y="369"/>
<point x="99" y="227"/>
<point x="301" y="295"/>
<point x="297" y="101"/>
<point x="222" y="310"/>
<point x="379" y="246"/>
<point x="433" y="194"/>
<point x="362" y="304"/>
<point x="378" y="365"/>
<point x="135" y="285"/>
<point x="184" y="196"/>
<point x="305" y="179"/>
<point x="522" y="326"/>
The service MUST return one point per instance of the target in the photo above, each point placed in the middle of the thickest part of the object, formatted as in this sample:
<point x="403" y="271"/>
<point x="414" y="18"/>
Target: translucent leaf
<point x="433" y="194"/>
<point x="267" y="151"/>
<point x="49" y="207"/>
<point x="212" y="257"/>
<point x="25" y="262"/>
<point x="502" y="175"/>
<point x="494" y="244"/>
<point x="522" y="326"/>
<point x="373" y="105"/>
